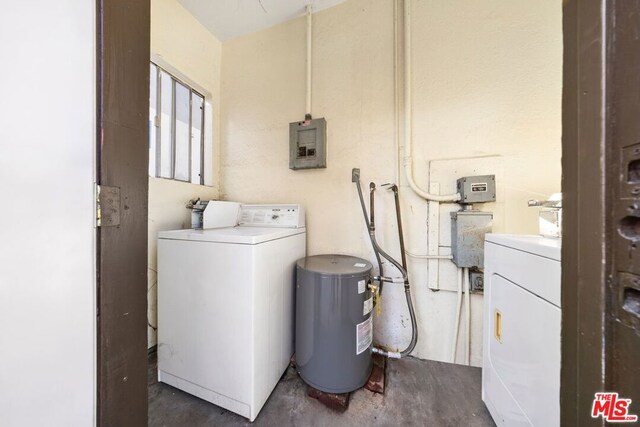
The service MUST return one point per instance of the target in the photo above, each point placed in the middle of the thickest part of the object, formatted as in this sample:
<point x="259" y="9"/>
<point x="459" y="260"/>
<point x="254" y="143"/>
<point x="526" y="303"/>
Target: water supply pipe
<point x="407" y="288"/>
<point x="372" y="222"/>
<point x="372" y="237"/>
<point x="374" y="242"/>
<point x="355" y="177"/>
<point x="396" y="198"/>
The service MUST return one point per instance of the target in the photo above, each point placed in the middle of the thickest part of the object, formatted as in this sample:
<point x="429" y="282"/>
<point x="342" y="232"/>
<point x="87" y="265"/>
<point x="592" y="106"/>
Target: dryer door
<point x="524" y="355"/>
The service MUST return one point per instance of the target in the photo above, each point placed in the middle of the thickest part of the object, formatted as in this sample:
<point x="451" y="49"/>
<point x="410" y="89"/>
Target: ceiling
<point x="227" y="19"/>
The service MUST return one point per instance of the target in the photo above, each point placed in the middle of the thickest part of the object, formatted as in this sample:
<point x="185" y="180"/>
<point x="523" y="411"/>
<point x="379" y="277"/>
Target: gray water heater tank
<point x="334" y="327"/>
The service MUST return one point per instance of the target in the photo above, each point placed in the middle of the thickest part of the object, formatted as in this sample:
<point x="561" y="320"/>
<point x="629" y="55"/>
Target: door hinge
<point x="107" y="206"/>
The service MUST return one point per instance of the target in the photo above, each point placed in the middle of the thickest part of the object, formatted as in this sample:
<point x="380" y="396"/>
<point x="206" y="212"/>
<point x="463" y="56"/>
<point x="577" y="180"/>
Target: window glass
<point x="197" y="115"/>
<point x="166" y="125"/>
<point x="208" y="144"/>
<point x="182" y="131"/>
<point x="153" y="103"/>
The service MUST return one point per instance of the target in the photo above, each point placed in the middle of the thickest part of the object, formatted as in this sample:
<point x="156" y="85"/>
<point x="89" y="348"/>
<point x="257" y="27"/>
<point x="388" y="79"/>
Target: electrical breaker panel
<point x="307" y="144"/>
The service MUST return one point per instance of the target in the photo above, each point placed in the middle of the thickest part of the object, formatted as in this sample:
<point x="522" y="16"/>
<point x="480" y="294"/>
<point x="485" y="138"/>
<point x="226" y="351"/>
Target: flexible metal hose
<point x="366" y="220"/>
<point x="407" y="289"/>
<point x="405" y="279"/>
<point x="396" y="264"/>
<point x="374" y="242"/>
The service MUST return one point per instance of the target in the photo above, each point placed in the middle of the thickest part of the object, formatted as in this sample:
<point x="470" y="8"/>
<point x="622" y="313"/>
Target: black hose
<point x="366" y="220"/>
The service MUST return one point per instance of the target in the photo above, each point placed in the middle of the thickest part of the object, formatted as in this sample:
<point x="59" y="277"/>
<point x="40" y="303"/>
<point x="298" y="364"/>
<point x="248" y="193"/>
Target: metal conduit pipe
<point x="308" y="62"/>
<point x="467" y="316"/>
<point x="454" y="342"/>
<point x="408" y="129"/>
<point x="416" y="256"/>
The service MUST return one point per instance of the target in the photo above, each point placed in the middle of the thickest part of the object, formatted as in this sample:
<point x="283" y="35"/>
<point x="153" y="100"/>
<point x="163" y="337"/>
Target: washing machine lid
<point x="232" y="235"/>
<point x="537" y="245"/>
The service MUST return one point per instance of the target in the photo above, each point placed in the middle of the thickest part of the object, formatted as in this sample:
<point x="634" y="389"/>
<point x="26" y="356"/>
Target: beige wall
<point x="183" y="46"/>
<point x="487" y="82"/>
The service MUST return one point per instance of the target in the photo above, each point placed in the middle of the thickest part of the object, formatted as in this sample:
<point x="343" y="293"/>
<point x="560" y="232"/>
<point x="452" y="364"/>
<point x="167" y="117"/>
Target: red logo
<point x="612" y="408"/>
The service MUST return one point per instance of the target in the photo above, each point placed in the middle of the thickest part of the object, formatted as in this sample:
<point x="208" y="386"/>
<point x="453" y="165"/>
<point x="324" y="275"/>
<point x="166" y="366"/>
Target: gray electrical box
<point x="308" y="144"/>
<point x="468" y="228"/>
<point x="477" y="189"/>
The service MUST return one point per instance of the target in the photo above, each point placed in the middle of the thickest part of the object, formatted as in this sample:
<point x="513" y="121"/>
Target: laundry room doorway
<point x="600" y="264"/>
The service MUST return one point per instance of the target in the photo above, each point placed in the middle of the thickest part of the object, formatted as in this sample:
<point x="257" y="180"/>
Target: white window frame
<point x="206" y="131"/>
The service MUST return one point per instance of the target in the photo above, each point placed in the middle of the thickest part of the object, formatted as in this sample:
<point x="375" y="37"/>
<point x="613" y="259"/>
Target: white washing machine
<point x="521" y="339"/>
<point x="226" y="303"/>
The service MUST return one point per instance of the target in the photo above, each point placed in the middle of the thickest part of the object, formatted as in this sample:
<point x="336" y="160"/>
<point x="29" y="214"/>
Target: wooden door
<point x="123" y="108"/>
<point x="601" y="189"/>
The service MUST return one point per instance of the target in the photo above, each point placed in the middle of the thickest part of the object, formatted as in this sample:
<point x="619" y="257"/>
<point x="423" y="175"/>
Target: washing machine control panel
<point x="286" y="216"/>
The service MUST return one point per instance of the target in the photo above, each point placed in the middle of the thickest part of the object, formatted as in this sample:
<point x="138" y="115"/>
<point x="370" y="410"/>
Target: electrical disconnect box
<point x="308" y="144"/>
<point x="468" y="225"/>
<point x="468" y="228"/>
<point x="477" y="189"/>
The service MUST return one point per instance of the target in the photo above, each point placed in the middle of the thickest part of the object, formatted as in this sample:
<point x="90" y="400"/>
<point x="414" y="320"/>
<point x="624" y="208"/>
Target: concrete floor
<point x="418" y="392"/>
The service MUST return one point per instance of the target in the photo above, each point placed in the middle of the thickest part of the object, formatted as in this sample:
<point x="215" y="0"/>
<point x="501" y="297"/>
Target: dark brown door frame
<point x="123" y="33"/>
<point x="601" y="126"/>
